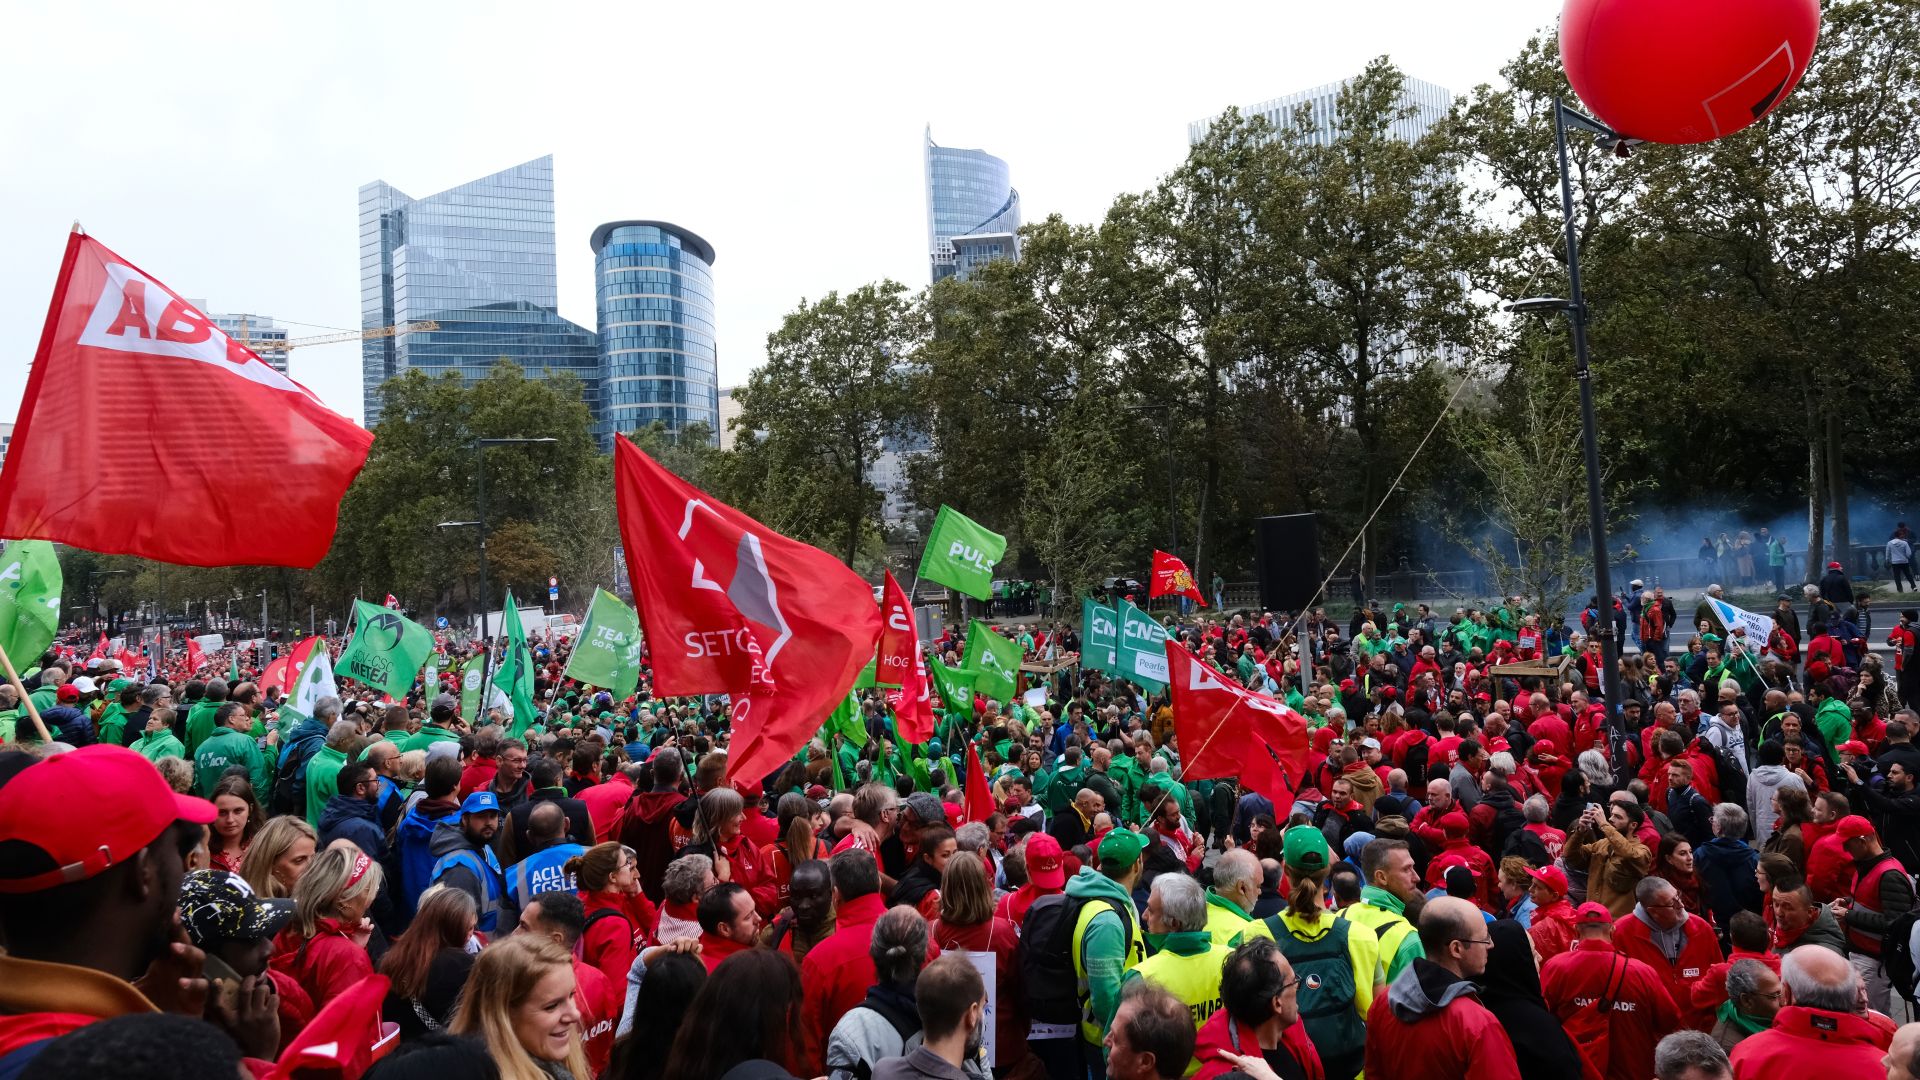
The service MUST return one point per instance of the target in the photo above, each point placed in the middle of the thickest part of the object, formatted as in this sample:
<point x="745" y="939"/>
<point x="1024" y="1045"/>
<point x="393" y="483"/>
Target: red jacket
<point x="606" y="805"/>
<point x="1807" y="1042"/>
<point x="324" y="965"/>
<point x="599" y="1011"/>
<point x="1618" y="1046"/>
<point x="1710" y="992"/>
<point x="836" y="977"/>
<point x="1700" y="952"/>
<point x="1220" y="1035"/>
<point x="1552" y="929"/>
<point x="478" y="775"/>
<point x="1426" y="826"/>
<point x="760" y="828"/>
<point x="1829" y="867"/>
<point x="1430" y="1025"/>
<point x="1002" y="939"/>
<point x="611" y="942"/>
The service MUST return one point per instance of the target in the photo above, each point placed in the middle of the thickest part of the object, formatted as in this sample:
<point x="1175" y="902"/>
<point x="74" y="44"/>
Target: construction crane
<point x="285" y="344"/>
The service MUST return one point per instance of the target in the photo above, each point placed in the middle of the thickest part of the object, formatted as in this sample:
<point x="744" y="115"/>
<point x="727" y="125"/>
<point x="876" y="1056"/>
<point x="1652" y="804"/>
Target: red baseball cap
<point x="67" y="693"/>
<point x="1045" y="866"/>
<point x="1853" y="827"/>
<point x="1592" y="913"/>
<point x="1854" y="746"/>
<point x="128" y="806"/>
<point x="1552" y="877"/>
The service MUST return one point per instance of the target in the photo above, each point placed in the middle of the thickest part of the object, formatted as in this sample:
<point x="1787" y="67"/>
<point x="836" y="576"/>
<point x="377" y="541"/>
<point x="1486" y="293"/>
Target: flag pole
<point x="13" y="677"/>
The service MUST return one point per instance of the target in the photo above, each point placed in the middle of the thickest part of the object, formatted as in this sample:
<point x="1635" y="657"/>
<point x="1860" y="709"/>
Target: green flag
<point x="960" y="553"/>
<point x="1141" y="652"/>
<point x="607" y="653"/>
<point x="387" y="650"/>
<point x="847" y="723"/>
<point x="515" y="677"/>
<point x="233" y="667"/>
<point x="470" y="677"/>
<point x="996" y="659"/>
<point x="29" y="600"/>
<point x="1099" y="631"/>
<point x="954" y="685"/>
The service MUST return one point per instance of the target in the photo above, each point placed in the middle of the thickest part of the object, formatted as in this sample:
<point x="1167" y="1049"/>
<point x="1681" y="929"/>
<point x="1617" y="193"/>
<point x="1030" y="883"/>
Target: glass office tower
<point x="653" y="288"/>
<point x="969" y="194"/>
<point x="478" y="260"/>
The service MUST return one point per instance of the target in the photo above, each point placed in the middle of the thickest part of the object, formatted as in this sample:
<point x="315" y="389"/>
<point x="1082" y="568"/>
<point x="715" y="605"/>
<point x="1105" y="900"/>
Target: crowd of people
<point x="1479" y="873"/>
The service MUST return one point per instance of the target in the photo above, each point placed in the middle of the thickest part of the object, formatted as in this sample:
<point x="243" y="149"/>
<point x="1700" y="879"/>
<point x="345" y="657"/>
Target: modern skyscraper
<point x="258" y="330"/>
<point x="1430" y="105"/>
<point x="653" y="283"/>
<point x="972" y="207"/>
<point x="477" y="259"/>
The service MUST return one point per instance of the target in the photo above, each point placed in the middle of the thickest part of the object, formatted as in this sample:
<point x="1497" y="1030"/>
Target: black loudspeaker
<point x="1287" y="559"/>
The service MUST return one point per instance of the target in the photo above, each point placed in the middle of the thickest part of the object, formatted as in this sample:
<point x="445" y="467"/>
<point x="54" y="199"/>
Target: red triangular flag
<point x="1172" y="578"/>
<point x="1226" y="730"/>
<point x="733" y="607"/>
<point x="900" y="663"/>
<point x="100" y="650"/>
<point x="195" y="655"/>
<point x="393" y="602"/>
<point x="269" y="450"/>
<point x="979" y="793"/>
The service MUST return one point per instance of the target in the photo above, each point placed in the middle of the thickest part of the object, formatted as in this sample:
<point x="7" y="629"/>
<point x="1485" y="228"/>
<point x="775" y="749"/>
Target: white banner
<point x="1757" y="629"/>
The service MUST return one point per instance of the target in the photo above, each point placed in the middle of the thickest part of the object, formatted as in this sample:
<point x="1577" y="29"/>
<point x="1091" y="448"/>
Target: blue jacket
<point x="355" y="819"/>
<point x="1725" y="869"/>
<point x="413" y="856"/>
<point x="66" y="724"/>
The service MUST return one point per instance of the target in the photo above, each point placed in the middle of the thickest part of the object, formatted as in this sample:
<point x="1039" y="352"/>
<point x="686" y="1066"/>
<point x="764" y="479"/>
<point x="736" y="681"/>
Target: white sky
<point x="220" y="147"/>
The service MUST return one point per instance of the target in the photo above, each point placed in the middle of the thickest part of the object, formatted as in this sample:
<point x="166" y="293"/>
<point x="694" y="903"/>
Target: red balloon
<point x="1685" y="71"/>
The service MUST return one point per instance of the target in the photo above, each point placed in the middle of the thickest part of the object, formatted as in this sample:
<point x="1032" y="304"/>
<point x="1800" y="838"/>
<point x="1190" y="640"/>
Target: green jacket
<point x="221" y="751"/>
<point x="112" y="725"/>
<point x="1063" y="785"/>
<point x="420" y="740"/>
<point x="1104" y="948"/>
<point x="44" y="698"/>
<point x="1127" y="775"/>
<point x="200" y="722"/>
<point x="1149" y="797"/>
<point x="323" y="781"/>
<point x="158" y="745"/>
<point x="1835" y="721"/>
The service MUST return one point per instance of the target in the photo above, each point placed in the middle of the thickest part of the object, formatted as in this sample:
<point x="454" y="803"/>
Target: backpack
<point x="1046" y="963"/>
<point x="290" y="777"/>
<point x="1733" y="778"/>
<point x="1327" y="987"/>
<point x="1527" y="844"/>
<point x="1897" y="955"/>
<point x="1592" y="1029"/>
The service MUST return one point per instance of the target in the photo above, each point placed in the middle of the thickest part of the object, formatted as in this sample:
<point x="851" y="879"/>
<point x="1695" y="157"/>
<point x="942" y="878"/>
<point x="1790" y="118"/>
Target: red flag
<point x="732" y="607"/>
<point x="195" y="655"/>
<point x="145" y="357"/>
<point x="901" y="663"/>
<point x="129" y="661"/>
<point x="284" y="671"/>
<point x="1172" y="578"/>
<point x="1226" y="730"/>
<point x="100" y="650"/>
<point x="392" y="602"/>
<point x="979" y="793"/>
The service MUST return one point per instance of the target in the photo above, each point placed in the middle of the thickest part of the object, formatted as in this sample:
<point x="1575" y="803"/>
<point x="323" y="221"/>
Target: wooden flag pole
<point x="32" y="712"/>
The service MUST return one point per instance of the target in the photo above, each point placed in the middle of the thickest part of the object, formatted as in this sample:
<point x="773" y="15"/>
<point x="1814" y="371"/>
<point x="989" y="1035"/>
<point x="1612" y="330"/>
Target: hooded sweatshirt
<point x="648" y="830"/>
<point x="1761" y="783"/>
<point x="1107" y="951"/>
<point x="1510" y="989"/>
<point x="1430" y="1025"/>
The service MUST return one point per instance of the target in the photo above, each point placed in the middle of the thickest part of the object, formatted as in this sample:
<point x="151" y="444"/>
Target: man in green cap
<point x="1106" y="936"/>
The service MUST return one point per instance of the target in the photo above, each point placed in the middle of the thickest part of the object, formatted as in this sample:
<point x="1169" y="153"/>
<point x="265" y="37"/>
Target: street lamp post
<point x="1574" y="307"/>
<point x="93" y="591"/>
<point x="480" y="526"/>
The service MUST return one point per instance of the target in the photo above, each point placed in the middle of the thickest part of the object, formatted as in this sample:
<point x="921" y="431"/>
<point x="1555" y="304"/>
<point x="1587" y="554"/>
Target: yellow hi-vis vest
<point x="1136" y="952"/>
<point x="1195" y="980"/>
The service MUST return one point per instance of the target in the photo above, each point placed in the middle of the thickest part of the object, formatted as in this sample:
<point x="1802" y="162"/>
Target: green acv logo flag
<point x="607" y="652"/>
<point x="962" y="553"/>
<point x="387" y="650"/>
<point x="30" y="581"/>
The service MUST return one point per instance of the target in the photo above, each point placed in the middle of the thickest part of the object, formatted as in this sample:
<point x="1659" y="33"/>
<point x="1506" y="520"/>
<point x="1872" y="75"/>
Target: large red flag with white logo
<point x="1172" y="578"/>
<point x="731" y="607"/>
<point x="146" y="431"/>
<point x="1226" y="730"/>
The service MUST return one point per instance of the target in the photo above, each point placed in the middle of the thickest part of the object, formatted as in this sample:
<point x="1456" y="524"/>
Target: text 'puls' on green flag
<point x="954" y="685"/>
<point x="961" y="554"/>
<point x="30" y="583"/>
<point x="515" y="677"/>
<point x="1142" y="652"/>
<point x="607" y="653"/>
<point x="1099" y="633"/>
<point x="996" y="659"/>
<point x="387" y="650"/>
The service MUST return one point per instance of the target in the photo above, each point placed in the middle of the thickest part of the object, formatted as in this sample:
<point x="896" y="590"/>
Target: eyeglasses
<point x="1475" y="941"/>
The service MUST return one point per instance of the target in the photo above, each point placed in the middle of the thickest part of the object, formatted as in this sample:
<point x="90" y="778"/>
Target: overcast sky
<point x="221" y="147"/>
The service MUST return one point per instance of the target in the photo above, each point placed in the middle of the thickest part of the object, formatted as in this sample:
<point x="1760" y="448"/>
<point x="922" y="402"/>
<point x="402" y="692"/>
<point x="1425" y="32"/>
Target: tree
<point x="1080" y="515"/>
<point x="833" y="387"/>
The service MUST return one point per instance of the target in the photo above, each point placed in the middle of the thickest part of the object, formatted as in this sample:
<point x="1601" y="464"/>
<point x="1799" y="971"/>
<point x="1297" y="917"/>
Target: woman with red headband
<point x="324" y="948"/>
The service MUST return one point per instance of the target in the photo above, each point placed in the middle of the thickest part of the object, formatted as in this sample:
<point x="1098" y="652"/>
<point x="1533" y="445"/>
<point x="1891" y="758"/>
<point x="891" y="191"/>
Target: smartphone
<point x="1592" y="806"/>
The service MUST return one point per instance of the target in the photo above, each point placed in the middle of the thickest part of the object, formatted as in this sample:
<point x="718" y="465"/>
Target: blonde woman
<point x="279" y="855"/>
<point x="324" y="948"/>
<point x="519" y="1001"/>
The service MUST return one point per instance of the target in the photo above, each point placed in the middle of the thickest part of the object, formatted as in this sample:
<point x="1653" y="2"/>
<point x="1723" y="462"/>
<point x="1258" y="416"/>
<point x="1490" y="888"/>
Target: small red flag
<point x="980" y="805"/>
<point x="393" y="602"/>
<point x="195" y="655"/>
<point x="100" y="650"/>
<point x="119" y="344"/>
<point x="732" y="607"/>
<point x="1226" y="730"/>
<point x="901" y="663"/>
<point x="1172" y="578"/>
